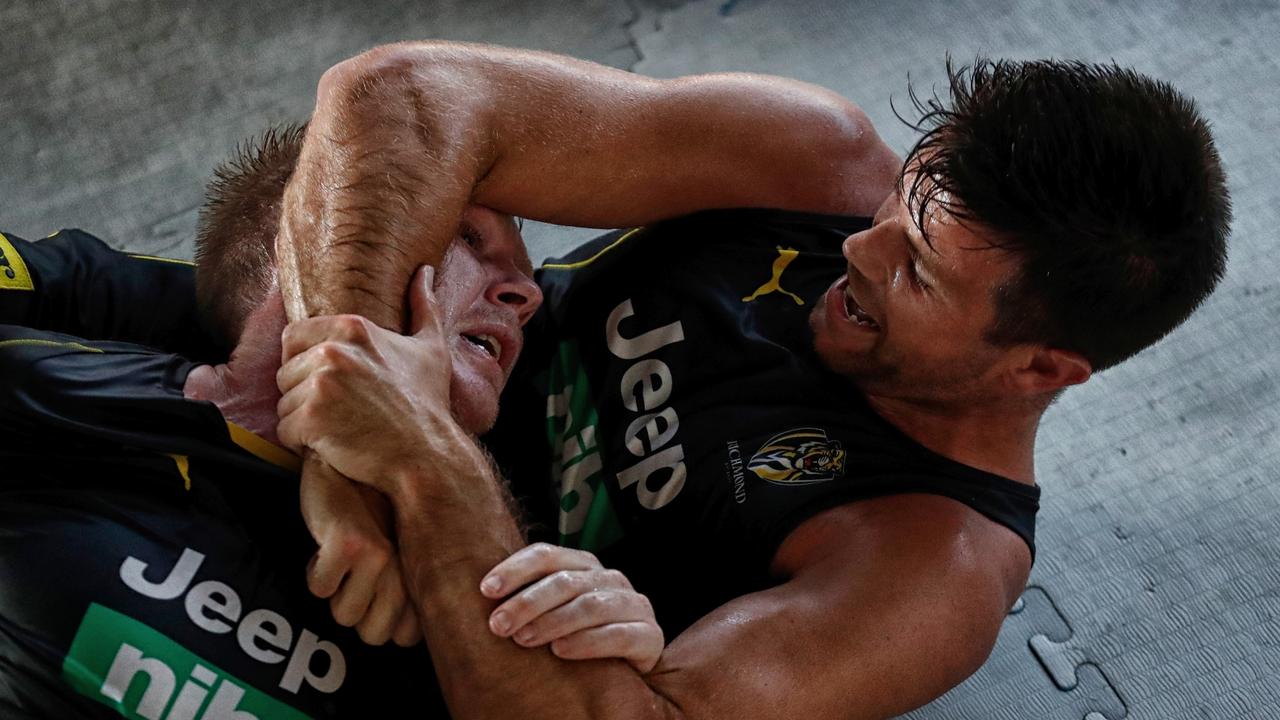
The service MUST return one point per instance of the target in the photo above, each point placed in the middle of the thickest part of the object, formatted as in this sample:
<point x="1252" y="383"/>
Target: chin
<point x="474" y="404"/>
<point x="476" y="419"/>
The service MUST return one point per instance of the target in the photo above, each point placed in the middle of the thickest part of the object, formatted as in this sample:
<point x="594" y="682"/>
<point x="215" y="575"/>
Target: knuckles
<point x="595" y="603"/>
<point x="371" y="635"/>
<point x="353" y="329"/>
<point x="564" y="581"/>
<point x="359" y="548"/>
<point x="542" y="555"/>
<point x="343" y="615"/>
<point x="589" y="559"/>
<point x="615" y="578"/>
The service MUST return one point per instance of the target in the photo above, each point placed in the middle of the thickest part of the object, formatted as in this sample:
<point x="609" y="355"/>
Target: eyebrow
<point x="917" y="255"/>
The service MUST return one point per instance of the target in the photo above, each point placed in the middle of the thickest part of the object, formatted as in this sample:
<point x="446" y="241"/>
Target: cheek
<point x="459" y="282"/>
<point x="472" y="398"/>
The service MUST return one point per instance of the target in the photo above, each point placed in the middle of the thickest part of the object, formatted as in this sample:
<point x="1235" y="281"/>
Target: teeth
<point x="488" y="343"/>
<point x="855" y="310"/>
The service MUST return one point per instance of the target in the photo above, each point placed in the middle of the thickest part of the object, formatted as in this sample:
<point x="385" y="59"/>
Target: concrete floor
<point x="1156" y="594"/>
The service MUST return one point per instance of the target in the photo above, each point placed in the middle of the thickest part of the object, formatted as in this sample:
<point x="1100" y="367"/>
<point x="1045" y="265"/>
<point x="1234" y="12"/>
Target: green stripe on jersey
<point x="141" y="673"/>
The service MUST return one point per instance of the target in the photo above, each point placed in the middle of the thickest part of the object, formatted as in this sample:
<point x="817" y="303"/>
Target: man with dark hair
<point x="153" y="554"/>
<point x="826" y="481"/>
<point x="1128" y="202"/>
<point x="807" y="433"/>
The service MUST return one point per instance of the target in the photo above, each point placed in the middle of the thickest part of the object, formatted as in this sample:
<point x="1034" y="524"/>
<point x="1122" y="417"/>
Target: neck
<point x="999" y="438"/>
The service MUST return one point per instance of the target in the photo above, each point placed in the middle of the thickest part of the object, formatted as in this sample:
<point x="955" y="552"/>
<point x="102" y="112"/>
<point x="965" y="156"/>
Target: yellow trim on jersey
<point x="33" y="342"/>
<point x="264" y="449"/>
<point x="13" y="270"/>
<point x="155" y="258"/>
<point x="184" y="468"/>
<point x="588" y="261"/>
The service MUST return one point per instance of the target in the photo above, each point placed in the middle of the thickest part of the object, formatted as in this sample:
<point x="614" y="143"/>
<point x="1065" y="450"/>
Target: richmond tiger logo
<point x="799" y="457"/>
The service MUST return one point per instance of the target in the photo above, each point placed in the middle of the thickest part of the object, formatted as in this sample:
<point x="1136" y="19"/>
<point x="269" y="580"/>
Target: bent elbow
<point x="370" y="69"/>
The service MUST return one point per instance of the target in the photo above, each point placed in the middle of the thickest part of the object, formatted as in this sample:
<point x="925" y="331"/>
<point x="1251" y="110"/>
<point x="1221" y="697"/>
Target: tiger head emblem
<point x="799" y="457"/>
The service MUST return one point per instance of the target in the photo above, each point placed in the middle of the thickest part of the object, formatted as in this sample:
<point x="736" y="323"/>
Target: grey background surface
<point x="1157" y="590"/>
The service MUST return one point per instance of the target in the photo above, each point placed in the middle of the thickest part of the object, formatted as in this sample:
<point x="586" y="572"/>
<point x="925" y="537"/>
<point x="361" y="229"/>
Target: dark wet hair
<point x="1104" y="182"/>
<point x="235" y="240"/>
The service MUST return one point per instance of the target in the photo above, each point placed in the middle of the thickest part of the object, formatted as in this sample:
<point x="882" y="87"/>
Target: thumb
<point x="422" y="299"/>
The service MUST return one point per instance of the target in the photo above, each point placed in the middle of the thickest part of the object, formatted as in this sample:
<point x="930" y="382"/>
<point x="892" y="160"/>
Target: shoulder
<point x="925" y="541"/>
<point x="849" y="166"/>
<point x="816" y="150"/>
<point x="50" y="379"/>
<point x="26" y="355"/>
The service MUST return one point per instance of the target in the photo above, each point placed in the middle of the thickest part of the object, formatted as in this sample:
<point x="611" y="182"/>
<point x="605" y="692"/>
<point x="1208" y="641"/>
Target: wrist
<point x="443" y="457"/>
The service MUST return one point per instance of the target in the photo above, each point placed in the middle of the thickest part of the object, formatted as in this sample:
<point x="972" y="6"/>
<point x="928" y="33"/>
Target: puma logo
<point x="785" y="256"/>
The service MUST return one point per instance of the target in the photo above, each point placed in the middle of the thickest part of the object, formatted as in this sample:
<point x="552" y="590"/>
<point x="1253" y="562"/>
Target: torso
<point x="690" y="429"/>
<point x="157" y="556"/>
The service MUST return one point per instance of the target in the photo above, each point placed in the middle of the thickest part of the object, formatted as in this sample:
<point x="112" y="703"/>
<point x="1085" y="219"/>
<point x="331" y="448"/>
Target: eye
<point x="470" y="235"/>
<point x="914" y="266"/>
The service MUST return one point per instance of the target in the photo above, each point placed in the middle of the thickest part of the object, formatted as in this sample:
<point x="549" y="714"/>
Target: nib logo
<point x="142" y="673"/>
<point x="129" y="664"/>
<point x="163" y="682"/>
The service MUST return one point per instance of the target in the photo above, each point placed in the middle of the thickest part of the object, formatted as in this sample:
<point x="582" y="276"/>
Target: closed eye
<point x="915" y="270"/>
<point x="470" y="235"/>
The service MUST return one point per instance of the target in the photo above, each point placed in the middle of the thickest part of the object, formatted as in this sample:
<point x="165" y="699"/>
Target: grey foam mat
<point x="1157" y="590"/>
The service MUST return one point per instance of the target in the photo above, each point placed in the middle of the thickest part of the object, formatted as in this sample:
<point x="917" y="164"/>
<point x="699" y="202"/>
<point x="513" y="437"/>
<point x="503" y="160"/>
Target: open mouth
<point x="855" y="311"/>
<point x="487" y="343"/>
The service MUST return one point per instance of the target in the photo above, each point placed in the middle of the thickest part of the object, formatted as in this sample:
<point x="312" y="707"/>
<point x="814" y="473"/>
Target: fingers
<point x="326" y="571"/>
<point x="326" y="355"/>
<point x="304" y="334"/>
<point x="531" y="563"/>
<point x="291" y="431"/>
<point x="588" y="610"/>
<point x="639" y="643"/>
<point x="569" y="600"/>
<point x="583" y="592"/>
<point x="422" y="299"/>
<point x="408" y="630"/>
<point x="387" y="608"/>
<point x="353" y="599"/>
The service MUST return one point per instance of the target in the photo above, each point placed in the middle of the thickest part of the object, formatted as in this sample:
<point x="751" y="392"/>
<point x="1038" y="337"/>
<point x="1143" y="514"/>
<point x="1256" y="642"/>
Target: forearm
<point x="380" y="185"/>
<point x="405" y="135"/>
<point x="453" y="527"/>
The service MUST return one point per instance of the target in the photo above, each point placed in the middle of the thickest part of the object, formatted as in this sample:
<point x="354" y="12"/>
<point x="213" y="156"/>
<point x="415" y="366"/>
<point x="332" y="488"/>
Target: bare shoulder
<point x="883" y="605"/>
<point x="937" y="538"/>
<point x="817" y="149"/>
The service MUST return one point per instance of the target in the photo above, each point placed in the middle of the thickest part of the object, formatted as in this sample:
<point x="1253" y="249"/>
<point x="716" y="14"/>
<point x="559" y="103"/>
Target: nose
<point x="875" y="252"/>
<point x="516" y="291"/>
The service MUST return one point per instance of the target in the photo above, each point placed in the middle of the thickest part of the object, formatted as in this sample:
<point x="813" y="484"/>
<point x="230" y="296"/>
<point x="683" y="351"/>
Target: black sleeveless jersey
<point x="687" y="425"/>
<point x="152" y="555"/>
<point x="668" y="412"/>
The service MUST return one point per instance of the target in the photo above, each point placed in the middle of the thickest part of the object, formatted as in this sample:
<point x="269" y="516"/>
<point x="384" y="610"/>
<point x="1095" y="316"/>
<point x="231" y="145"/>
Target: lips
<point x="843" y="305"/>
<point x="494" y="341"/>
<point x="855" y="311"/>
<point x="488" y="343"/>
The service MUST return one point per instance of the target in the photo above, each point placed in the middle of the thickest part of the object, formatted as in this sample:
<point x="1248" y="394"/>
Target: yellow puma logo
<point x="785" y="256"/>
<point x="13" y="271"/>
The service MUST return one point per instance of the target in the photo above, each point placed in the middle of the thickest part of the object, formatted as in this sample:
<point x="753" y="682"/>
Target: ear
<point x="1048" y="369"/>
<point x="263" y="326"/>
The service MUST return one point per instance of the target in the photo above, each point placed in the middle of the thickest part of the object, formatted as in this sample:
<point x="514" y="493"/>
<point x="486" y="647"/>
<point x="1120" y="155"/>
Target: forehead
<point x="959" y="252"/>
<point x="500" y="238"/>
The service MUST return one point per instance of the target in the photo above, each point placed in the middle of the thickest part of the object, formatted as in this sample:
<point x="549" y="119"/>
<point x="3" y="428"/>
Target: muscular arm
<point x="883" y="604"/>
<point x="405" y="135"/>
<point x="886" y="605"/>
